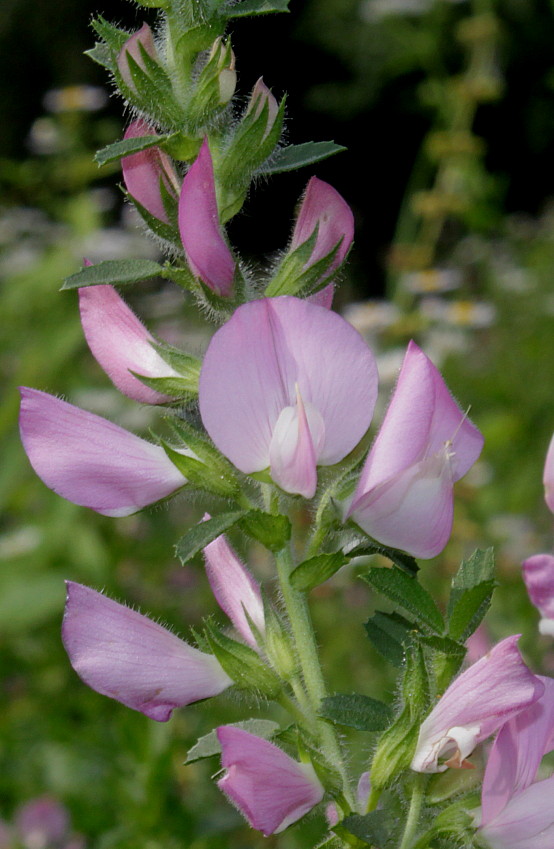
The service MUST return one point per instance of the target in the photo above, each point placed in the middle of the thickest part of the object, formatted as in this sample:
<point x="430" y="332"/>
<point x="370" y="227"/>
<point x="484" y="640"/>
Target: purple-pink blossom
<point x="474" y="706"/>
<point x="145" y="171"/>
<point x="91" y="461"/>
<point x="121" y="344"/>
<point x="404" y="497"/>
<point x="144" y="39"/>
<point x="287" y="385"/>
<point x="270" y="789"/>
<point x="234" y="588"/>
<point x="128" y="657"/>
<point x="206" y="250"/>
<point x="538" y="574"/>
<point x="517" y="810"/>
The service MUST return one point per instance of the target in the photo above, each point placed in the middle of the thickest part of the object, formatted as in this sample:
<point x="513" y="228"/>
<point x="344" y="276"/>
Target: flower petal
<point x="292" y="455"/>
<point x="143" y="171"/>
<point x="527" y="821"/>
<point x="538" y="574"/>
<point x="270" y="789"/>
<point x="132" y="46"/>
<point x="234" y="588"/>
<point x="254" y="363"/>
<point x="548" y="477"/>
<point x="121" y="344"/>
<point x="91" y="461"/>
<point x="478" y="702"/>
<point x="206" y="250"/>
<point x="323" y="207"/>
<point x="128" y="657"/>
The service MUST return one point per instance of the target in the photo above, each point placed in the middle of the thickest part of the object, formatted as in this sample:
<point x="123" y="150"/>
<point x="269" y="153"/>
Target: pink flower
<point x="548" y="477"/>
<point x="475" y="705"/>
<point x="288" y="385"/>
<point x="404" y="496"/>
<point x="323" y="207"/>
<point x="121" y="344"/>
<point x="268" y="787"/>
<point x="132" y="48"/>
<point x="91" y="461"/>
<point x="145" y="171"/>
<point x="516" y="810"/>
<point x="538" y="574"/>
<point x="128" y="657"/>
<point x="234" y="588"/>
<point x="206" y="250"/>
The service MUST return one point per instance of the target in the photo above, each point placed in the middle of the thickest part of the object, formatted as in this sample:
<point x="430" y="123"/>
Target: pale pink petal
<point x="121" y="344"/>
<point x="206" y="250"/>
<point x="425" y="444"/>
<point x="234" y="588"/>
<point x="323" y="207"/>
<point x="255" y="363"/>
<point x="548" y="477"/>
<point x="91" y="461"/>
<point x="526" y="822"/>
<point x="143" y="37"/>
<point x="517" y="753"/>
<point x="269" y="788"/>
<point x="128" y="657"/>
<point x="323" y="298"/>
<point x="143" y="171"/>
<point x="292" y="455"/>
<point x="475" y="705"/>
<point x="538" y="574"/>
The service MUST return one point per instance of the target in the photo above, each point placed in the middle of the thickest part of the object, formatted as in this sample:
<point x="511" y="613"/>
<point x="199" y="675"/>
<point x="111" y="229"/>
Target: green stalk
<point x="418" y="795"/>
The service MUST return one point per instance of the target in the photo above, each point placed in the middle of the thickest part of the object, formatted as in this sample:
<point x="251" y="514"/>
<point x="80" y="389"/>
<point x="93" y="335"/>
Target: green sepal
<point x="126" y="147"/>
<point x="205" y="100"/>
<point x="246" y="8"/>
<point x="471" y="594"/>
<point x="390" y="633"/>
<point x="200" y="535"/>
<point x="116" y="272"/>
<point x="161" y="229"/>
<point x="200" y="475"/>
<point x="272" y="531"/>
<point x="176" y="387"/>
<point x="407" y="593"/>
<point x="113" y="37"/>
<point x="188" y="366"/>
<point x="194" y="41"/>
<point x="299" y="155"/>
<point x="372" y="828"/>
<point x="208" y="745"/>
<point x="397" y="745"/>
<point x="152" y="91"/>
<point x="316" y="570"/>
<point x="278" y="643"/>
<point x="243" y="664"/>
<point x="356" y="711"/>
<point x="202" y="446"/>
<point x="447" y="658"/>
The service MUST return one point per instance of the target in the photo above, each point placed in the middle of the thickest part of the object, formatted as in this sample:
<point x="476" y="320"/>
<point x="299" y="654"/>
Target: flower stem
<point x="418" y="795"/>
<point x="306" y="647"/>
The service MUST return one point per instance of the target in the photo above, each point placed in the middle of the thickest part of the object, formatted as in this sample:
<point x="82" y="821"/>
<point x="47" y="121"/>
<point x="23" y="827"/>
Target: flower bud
<point x="143" y="39"/>
<point x="145" y="172"/>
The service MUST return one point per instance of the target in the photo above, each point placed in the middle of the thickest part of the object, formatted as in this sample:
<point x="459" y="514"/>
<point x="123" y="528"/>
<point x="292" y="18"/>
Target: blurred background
<point x="447" y="111"/>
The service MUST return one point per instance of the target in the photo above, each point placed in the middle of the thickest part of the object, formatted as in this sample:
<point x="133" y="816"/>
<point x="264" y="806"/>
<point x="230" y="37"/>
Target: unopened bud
<point x="141" y="40"/>
<point x="261" y="96"/>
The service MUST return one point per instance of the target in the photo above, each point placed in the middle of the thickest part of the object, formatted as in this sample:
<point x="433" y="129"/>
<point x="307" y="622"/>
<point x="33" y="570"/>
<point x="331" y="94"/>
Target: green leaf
<point x="471" y="594"/>
<point x="299" y="155"/>
<point x="254" y="7"/>
<point x="356" y="711"/>
<point x="272" y="531"/>
<point x="373" y="828"/>
<point x="408" y="594"/>
<point x="209" y="745"/>
<point x="114" y="37"/>
<point x="117" y="272"/>
<point x="404" y="561"/>
<point x="203" y="533"/>
<point x="316" y="570"/>
<point x="126" y="147"/>
<point x="390" y="633"/>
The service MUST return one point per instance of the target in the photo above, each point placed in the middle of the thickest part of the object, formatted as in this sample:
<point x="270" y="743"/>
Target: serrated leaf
<point x="408" y="594"/>
<point x="373" y="828"/>
<point x="356" y="711"/>
<point x="404" y="561"/>
<point x="126" y="147"/>
<point x="254" y="7"/>
<point x="209" y="745"/>
<point x="200" y="535"/>
<point x="117" y="272"/>
<point x="390" y="633"/>
<point x="478" y="568"/>
<point x="299" y="155"/>
<point x="272" y="531"/>
<point x="469" y="610"/>
<point x="102" y="55"/>
<point x="316" y="570"/>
